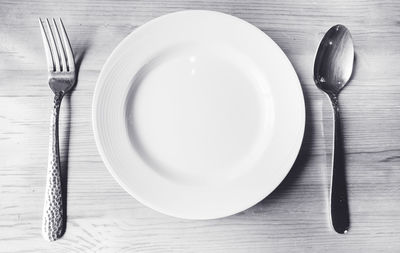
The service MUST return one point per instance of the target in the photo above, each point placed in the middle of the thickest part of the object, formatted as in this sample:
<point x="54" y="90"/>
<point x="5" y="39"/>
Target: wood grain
<point x="102" y="217"/>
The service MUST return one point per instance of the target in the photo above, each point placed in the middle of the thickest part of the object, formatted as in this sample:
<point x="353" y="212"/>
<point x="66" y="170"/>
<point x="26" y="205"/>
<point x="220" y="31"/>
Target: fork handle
<point x="53" y="226"/>
<point x="339" y="204"/>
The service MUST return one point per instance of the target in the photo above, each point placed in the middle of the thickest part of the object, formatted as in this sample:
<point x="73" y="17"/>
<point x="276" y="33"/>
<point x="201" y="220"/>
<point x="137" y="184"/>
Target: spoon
<point x="332" y="71"/>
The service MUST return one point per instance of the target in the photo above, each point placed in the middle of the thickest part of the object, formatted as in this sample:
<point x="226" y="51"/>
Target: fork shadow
<point x="65" y="141"/>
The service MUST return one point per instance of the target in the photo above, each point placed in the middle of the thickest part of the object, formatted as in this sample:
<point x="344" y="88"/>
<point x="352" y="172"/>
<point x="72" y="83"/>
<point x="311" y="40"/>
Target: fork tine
<point x="53" y="46"/>
<point x="60" y="47"/>
<point x="67" y="47"/>
<point x="47" y="49"/>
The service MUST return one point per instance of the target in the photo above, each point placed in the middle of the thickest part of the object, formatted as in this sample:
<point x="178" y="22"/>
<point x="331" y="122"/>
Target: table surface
<point x="103" y="217"/>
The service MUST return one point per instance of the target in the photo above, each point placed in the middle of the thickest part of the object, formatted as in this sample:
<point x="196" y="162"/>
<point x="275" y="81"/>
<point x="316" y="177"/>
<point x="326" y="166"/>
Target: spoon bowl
<point x="334" y="60"/>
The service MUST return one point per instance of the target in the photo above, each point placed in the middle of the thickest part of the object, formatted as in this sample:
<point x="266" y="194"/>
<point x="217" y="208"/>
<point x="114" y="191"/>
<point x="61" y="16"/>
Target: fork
<point x="62" y="77"/>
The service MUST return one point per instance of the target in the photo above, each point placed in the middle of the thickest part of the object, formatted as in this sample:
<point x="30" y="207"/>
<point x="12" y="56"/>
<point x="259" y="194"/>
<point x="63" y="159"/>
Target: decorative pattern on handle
<point x="53" y="214"/>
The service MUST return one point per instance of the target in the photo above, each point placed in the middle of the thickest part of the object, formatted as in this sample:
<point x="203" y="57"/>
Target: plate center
<point x="199" y="114"/>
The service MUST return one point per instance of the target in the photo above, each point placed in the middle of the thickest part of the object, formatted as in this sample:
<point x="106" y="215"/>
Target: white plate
<point x="198" y="114"/>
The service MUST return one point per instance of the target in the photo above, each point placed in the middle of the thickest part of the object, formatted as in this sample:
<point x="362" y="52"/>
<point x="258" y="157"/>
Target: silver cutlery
<point x="332" y="71"/>
<point x="62" y="77"/>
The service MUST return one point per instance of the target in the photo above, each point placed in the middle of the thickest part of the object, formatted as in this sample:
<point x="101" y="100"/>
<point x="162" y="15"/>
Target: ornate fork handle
<point x="53" y="212"/>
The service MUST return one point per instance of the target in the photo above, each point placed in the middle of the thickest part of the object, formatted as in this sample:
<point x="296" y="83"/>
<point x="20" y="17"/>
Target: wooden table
<point x="102" y="217"/>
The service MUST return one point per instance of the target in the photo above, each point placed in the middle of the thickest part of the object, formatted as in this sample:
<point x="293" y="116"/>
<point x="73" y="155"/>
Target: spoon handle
<point x="339" y="205"/>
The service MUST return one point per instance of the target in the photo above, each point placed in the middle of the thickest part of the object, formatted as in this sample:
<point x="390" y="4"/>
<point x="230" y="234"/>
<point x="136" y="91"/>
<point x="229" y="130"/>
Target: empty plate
<point x="198" y="114"/>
